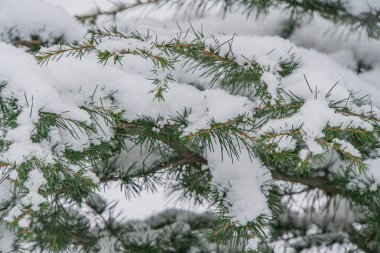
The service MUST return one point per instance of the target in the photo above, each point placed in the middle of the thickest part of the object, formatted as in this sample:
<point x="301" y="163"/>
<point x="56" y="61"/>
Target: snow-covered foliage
<point x="270" y="121"/>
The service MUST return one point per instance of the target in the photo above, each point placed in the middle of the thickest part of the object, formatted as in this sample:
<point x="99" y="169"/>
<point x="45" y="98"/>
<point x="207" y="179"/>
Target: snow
<point x="218" y="106"/>
<point x="312" y="123"/>
<point x="63" y="87"/>
<point x="374" y="171"/>
<point x="35" y="181"/>
<point x="252" y="244"/>
<point x="347" y="147"/>
<point x="32" y="83"/>
<point x="6" y="240"/>
<point x="327" y="38"/>
<point x="272" y="82"/>
<point x="133" y="97"/>
<point x="242" y="180"/>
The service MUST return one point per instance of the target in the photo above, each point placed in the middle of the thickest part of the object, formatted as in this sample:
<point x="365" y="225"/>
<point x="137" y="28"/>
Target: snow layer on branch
<point x="55" y="91"/>
<point x="34" y="91"/>
<point x="35" y="181"/>
<point x="312" y="122"/>
<point x="37" y="17"/>
<point x="345" y="48"/>
<point x="66" y="85"/>
<point x="320" y="71"/>
<point x="374" y="171"/>
<point x="315" y="69"/>
<point x="134" y="93"/>
<point x="242" y="180"/>
<point x="52" y="89"/>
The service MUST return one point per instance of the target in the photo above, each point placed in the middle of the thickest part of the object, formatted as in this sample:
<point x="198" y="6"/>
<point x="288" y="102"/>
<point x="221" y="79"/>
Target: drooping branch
<point x="190" y="156"/>
<point x="321" y="183"/>
<point x="165" y="136"/>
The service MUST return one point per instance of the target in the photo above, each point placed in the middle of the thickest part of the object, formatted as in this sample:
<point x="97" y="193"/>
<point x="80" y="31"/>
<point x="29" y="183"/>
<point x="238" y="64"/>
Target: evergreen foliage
<point x="260" y="150"/>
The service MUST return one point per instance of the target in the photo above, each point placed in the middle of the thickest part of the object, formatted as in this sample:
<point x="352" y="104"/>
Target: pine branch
<point x="92" y="17"/>
<point x="332" y="10"/>
<point x="336" y="12"/>
<point x="322" y="183"/>
<point x="191" y="156"/>
<point x="182" y="155"/>
<point x="165" y="136"/>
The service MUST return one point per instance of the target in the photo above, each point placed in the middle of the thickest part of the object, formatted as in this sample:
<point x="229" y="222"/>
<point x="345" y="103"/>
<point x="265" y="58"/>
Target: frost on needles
<point x="275" y="132"/>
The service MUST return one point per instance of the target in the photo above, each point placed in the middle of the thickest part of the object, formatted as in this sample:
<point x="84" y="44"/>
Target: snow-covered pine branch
<point x="241" y="122"/>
